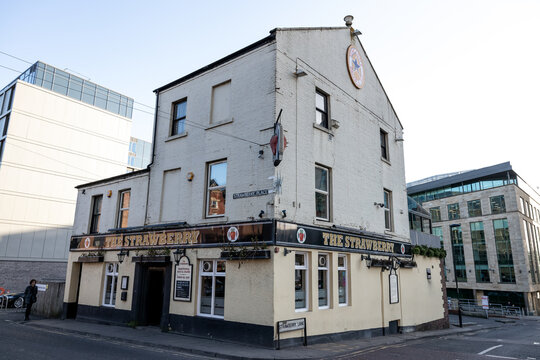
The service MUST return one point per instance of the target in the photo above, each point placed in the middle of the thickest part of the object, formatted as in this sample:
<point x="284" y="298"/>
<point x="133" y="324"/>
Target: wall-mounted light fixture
<point x="368" y="260"/>
<point x="378" y="204"/>
<point x="122" y="255"/>
<point x="261" y="214"/>
<point x="300" y="72"/>
<point x="190" y="176"/>
<point x="109" y="193"/>
<point x="261" y="154"/>
<point x="178" y="254"/>
<point x="287" y="251"/>
<point x="283" y="213"/>
<point x="428" y="273"/>
<point x="357" y="32"/>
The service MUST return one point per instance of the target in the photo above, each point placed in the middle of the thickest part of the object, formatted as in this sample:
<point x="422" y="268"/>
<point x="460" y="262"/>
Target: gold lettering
<point x="325" y="238"/>
<point x="195" y="237"/>
<point x="163" y="239"/>
<point x="178" y="238"/>
<point x="368" y="244"/>
<point x="167" y="239"/>
<point x="145" y="240"/>
<point x="340" y="241"/>
<point x="187" y="237"/>
<point x="347" y="241"/>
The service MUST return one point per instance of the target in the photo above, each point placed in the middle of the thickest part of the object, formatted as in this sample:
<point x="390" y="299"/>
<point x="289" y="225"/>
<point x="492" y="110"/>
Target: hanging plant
<point x="429" y="251"/>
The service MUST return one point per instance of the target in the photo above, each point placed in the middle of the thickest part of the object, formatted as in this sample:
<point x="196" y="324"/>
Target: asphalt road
<point x="520" y="340"/>
<point x="18" y="341"/>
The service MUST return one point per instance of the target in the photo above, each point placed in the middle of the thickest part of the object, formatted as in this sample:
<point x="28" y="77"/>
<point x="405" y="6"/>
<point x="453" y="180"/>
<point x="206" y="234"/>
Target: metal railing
<point x="475" y="307"/>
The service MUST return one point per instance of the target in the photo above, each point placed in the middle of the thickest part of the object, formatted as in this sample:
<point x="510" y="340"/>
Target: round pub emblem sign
<point x="301" y="235"/>
<point x="356" y="67"/>
<point x="87" y="242"/>
<point x="232" y="234"/>
<point x="402" y="249"/>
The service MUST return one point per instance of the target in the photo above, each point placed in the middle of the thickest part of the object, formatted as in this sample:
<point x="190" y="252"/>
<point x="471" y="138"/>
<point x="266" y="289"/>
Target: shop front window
<point x="212" y="288"/>
<point x="109" y="290"/>
<point x="300" y="282"/>
<point x="323" y="281"/>
<point x="343" y="288"/>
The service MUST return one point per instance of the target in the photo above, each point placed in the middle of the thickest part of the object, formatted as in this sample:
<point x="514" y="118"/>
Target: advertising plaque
<point x="182" y="280"/>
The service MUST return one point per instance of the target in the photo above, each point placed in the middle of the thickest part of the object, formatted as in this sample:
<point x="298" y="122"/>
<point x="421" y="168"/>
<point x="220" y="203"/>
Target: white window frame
<point x="388" y="210"/>
<point x="305" y="268"/>
<point x="214" y="273"/>
<point x="325" y="268"/>
<point x="209" y="204"/>
<point x="121" y="209"/>
<point x="344" y="268"/>
<point x="114" y="282"/>
<point x="326" y="193"/>
<point x="386" y="155"/>
<point x="325" y="110"/>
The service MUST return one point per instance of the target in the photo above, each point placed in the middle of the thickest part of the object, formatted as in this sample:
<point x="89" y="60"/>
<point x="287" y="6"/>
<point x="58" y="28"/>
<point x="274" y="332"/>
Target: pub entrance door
<point x="152" y="293"/>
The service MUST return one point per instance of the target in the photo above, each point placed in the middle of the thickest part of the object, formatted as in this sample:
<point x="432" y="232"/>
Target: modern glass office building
<point x="140" y="153"/>
<point x="489" y="222"/>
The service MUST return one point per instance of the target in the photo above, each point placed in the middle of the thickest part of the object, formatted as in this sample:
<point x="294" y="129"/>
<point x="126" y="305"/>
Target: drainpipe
<point x="152" y="160"/>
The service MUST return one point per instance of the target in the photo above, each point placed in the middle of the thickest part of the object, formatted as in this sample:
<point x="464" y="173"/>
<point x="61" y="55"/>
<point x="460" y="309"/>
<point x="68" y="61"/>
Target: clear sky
<point x="463" y="76"/>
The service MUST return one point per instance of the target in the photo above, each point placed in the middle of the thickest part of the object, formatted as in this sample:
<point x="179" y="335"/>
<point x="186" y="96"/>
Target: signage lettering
<point x="152" y="239"/>
<point x="250" y="194"/>
<point x="353" y="242"/>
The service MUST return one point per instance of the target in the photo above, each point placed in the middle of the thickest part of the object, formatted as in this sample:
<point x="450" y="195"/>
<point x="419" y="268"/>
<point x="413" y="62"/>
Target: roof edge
<point x="270" y="38"/>
<point x="113" y="178"/>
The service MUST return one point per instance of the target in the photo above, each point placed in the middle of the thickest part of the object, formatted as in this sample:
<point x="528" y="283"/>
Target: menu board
<point x="182" y="280"/>
<point x="394" y="294"/>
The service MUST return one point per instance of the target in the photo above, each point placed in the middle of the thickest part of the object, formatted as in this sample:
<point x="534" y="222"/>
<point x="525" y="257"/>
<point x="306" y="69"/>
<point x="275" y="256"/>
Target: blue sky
<point x="463" y="76"/>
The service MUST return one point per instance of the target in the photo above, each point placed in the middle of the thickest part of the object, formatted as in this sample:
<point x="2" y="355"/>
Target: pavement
<point x="153" y="337"/>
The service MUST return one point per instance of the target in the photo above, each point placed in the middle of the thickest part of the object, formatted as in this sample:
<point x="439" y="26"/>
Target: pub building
<point x="274" y="206"/>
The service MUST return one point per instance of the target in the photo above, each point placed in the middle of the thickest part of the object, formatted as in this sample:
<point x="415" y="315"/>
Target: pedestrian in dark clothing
<point x="30" y="297"/>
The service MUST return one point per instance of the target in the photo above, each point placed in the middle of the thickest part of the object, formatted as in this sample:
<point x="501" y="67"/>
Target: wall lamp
<point x="378" y="204"/>
<point x="261" y="214"/>
<point x="284" y="213"/>
<point x="178" y="254"/>
<point x="122" y="255"/>
<point x="368" y="260"/>
<point x="357" y="32"/>
<point x="287" y="251"/>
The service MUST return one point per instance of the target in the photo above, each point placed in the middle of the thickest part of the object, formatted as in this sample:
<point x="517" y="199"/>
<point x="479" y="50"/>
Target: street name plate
<point x="291" y="325"/>
<point x="250" y="194"/>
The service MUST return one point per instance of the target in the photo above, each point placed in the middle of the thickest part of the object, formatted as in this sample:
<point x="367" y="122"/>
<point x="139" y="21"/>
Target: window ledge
<point x="224" y="122"/>
<point x="217" y="219"/>
<point x="386" y="161"/>
<point x="178" y="136"/>
<point x="300" y="310"/>
<point x="323" y="129"/>
<point x="322" y="222"/>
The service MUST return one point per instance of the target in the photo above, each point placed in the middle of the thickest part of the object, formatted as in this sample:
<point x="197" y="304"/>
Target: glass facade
<point x="529" y="231"/>
<point x="140" y="153"/>
<point x="72" y="86"/>
<point x="437" y="231"/>
<point x="5" y="106"/>
<point x="504" y="251"/>
<point x="497" y="204"/>
<point x="478" y="240"/>
<point x="435" y="214"/>
<point x="478" y="184"/>
<point x="458" y="253"/>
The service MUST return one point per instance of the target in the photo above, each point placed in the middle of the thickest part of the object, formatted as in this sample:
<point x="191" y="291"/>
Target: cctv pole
<point x="455" y="277"/>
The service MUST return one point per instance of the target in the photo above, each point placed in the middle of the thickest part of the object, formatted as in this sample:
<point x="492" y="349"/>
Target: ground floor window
<point x="111" y="278"/>
<point x="300" y="281"/>
<point x="343" y="288"/>
<point x="212" y="288"/>
<point x="323" y="281"/>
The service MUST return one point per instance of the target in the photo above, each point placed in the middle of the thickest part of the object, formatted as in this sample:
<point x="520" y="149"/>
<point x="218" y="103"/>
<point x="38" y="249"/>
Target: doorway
<point x="154" y="295"/>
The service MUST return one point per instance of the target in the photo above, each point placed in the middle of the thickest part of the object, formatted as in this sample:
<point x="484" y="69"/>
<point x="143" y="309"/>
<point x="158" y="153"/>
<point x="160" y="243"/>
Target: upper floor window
<point x="7" y="101"/>
<point x="388" y="210"/>
<point x="384" y="145"/>
<point x="96" y="213"/>
<point x="179" y="117"/>
<point x="453" y="211"/>
<point x="123" y="208"/>
<point x="475" y="208"/>
<point x="221" y="103"/>
<point x="217" y="181"/>
<point x="497" y="204"/>
<point x="321" y="109"/>
<point x="322" y="193"/>
<point x="435" y="214"/>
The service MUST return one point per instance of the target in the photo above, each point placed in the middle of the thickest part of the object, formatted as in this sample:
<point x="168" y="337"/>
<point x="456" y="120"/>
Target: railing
<point x="474" y="306"/>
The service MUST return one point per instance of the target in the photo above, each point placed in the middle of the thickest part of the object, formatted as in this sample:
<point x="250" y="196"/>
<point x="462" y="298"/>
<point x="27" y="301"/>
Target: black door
<point x="154" y="299"/>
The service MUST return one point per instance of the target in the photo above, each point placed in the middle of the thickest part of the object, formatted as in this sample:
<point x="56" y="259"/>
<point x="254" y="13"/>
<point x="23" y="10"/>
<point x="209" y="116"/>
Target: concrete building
<point x="488" y="219"/>
<point x="277" y="186"/>
<point x="56" y="131"/>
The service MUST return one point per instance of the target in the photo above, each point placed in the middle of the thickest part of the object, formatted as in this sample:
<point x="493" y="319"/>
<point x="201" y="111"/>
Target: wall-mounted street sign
<point x="183" y="279"/>
<point x="247" y="194"/>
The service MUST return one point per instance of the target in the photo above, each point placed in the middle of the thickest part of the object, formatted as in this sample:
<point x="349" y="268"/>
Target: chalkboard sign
<point x="183" y="280"/>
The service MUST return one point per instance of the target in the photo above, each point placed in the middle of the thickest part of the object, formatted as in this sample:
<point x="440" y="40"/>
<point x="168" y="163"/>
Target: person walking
<point x="30" y="297"/>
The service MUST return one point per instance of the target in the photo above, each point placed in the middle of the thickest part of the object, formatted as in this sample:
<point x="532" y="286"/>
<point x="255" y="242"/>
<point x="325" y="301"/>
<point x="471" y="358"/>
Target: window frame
<point x="326" y="269"/>
<point x="121" y="210"/>
<point x="326" y="111"/>
<point x="209" y="189"/>
<point x="472" y="213"/>
<point x="346" y="270"/>
<point x="214" y="273"/>
<point x="212" y="103"/>
<point x="385" y="153"/>
<point x="388" y="210"/>
<point x="326" y="193"/>
<point x="438" y="210"/>
<point x="503" y="202"/>
<point x="94" y="228"/>
<point x="457" y="211"/>
<point x="304" y="268"/>
<point x="175" y="120"/>
<point x="114" y="284"/>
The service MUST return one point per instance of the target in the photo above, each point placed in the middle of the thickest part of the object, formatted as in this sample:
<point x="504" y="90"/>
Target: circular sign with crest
<point x="87" y="242"/>
<point x="301" y="235"/>
<point x="232" y="234"/>
<point x="356" y="67"/>
<point x="402" y="249"/>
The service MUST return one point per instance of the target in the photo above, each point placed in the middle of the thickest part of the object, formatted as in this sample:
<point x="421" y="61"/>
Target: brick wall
<point x="15" y="275"/>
